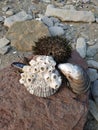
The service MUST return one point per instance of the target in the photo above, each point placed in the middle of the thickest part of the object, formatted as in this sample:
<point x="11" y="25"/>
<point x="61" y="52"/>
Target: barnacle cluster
<point x="57" y="47"/>
<point x="41" y="77"/>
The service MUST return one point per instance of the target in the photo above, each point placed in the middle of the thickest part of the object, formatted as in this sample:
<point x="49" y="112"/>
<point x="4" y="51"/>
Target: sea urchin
<point x="57" y="47"/>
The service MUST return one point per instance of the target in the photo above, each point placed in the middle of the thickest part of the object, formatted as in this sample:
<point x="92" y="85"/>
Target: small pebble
<point x="9" y="12"/>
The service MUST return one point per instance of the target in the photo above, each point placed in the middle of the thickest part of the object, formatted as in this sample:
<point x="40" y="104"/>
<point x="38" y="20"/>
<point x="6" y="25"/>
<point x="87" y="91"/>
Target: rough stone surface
<point x="21" y="110"/>
<point x="97" y="20"/>
<point x="56" y="31"/>
<point x="81" y="47"/>
<point x="93" y="74"/>
<point x="4" y="42"/>
<point x="92" y="64"/>
<point x="92" y="50"/>
<point x="24" y="34"/>
<point x="70" y="15"/>
<point x="21" y="16"/>
<point x="1" y="19"/>
<point x="4" y="50"/>
<point x="55" y="20"/>
<point x="47" y="21"/>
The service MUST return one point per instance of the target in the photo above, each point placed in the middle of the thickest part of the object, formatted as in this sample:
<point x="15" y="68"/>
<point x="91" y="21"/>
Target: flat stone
<point x="23" y="35"/>
<point x="47" y="21"/>
<point x="4" y="50"/>
<point x="70" y="15"/>
<point x="1" y="19"/>
<point x="3" y="42"/>
<point x="93" y="74"/>
<point x="56" y="31"/>
<point x="81" y="47"/>
<point x="92" y="64"/>
<point x="58" y="112"/>
<point x="92" y="50"/>
<point x="21" y="16"/>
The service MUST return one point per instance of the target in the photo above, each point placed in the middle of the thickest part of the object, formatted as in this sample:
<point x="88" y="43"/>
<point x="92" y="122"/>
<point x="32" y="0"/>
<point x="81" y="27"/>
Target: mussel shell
<point x="81" y="85"/>
<point x="18" y="65"/>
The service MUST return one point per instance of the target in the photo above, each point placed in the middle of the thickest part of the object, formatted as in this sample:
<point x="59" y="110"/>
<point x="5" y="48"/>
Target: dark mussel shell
<point x="18" y="65"/>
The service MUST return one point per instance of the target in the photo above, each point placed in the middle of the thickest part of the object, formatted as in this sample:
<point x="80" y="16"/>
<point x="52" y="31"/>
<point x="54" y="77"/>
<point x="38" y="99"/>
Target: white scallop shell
<point x="78" y="78"/>
<point x="41" y="77"/>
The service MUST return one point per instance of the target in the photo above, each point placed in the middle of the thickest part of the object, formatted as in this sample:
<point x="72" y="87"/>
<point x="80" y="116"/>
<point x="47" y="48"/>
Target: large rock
<point x="23" y="35"/>
<point x="21" y="16"/>
<point x="19" y="110"/>
<point x="70" y="15"/>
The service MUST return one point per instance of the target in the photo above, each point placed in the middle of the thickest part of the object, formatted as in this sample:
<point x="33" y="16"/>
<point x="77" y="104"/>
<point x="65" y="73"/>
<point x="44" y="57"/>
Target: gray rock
<point x="70" y="15"/>
<point x="81" y="47"/>
<point x="47" y="21"/>
<point x="23" y="35"/>
<point x="21" y="16"/>
<point x="92" y="50"/>
<point x="93" y="74"/>
<point x="65" y="27"/>
<point x="97" y="20"/>
<point x="4" y="50"/>
<point x="93" y="109"/>
<point x="94" y="91"/>
<point x="5" y="8"/>
<point x="4" y="42"/>
<point x="96" y="57"/>
<point x="56" y="31"/>
<point x="55" y="20"/>
<point x="1" y="19"/>
<point x="92" y="64"/>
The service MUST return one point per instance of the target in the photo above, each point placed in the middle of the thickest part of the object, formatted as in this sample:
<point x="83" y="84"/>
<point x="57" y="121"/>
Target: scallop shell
<point x="78" y="78"/>
<point x="41" y="77"/>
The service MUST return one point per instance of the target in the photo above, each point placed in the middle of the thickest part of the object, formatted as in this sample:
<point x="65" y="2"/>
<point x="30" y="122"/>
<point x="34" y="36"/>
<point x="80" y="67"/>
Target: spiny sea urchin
<point x="57" y="47"/>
